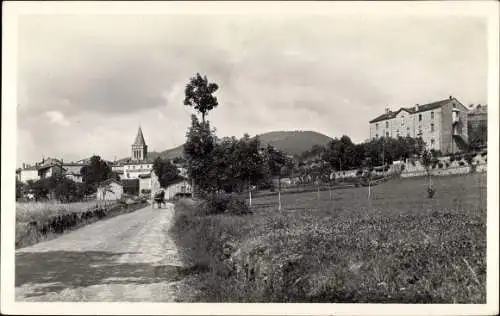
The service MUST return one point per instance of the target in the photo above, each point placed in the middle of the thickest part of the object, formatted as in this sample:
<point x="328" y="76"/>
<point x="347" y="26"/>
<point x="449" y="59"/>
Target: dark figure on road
<point x="159" y="198"/>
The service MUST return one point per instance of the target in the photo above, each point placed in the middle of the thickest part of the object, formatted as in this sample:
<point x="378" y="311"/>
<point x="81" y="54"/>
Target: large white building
<point x="442" y="124"/>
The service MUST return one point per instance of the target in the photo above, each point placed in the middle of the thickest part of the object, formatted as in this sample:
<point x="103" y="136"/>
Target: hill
<point x="291" y="142"/>
<point x="294" y="142"/>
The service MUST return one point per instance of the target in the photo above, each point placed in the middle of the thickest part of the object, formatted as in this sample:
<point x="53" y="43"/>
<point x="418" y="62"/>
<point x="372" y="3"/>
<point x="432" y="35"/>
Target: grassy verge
<point x="397" y="247"/>
<point x="36" y="222"/>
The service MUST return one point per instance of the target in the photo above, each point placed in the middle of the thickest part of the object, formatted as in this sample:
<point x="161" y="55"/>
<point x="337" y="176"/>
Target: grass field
<point x="396" y="247"/>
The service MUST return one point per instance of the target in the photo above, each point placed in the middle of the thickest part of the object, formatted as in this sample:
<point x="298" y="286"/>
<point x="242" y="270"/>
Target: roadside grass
<point x="39" y="221"/>
<point x="29" y="211"/>
<point x="397" y="247"/>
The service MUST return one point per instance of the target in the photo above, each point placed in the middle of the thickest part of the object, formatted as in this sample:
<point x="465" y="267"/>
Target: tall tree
<point x="199" y="94"/>
<point x="249" y="163"/>
<point x="198" y="153"/>
<point x="166" y="171"/>
<point x="97" y="171"/>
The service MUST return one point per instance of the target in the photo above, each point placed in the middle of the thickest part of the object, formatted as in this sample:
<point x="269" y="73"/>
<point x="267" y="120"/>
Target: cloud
<point x="100" y="76"/>
<point x="58" y="118"/>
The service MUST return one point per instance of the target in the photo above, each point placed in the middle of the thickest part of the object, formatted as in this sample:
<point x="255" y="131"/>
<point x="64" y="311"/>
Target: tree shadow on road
<point x="59" y="270"/>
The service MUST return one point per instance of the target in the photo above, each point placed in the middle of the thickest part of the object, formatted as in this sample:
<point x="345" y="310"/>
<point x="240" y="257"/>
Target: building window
<point x="432" y="115"/>
<point x="376" y="135"/>
<point x="397" y="132"/>
<point x="402" y="120"/>
<point x="432" y="142"/>
<point x="420" y="117"/>
<point x="387" y="124"/>
<point x="387" y="134"/>
<point x="376" y="126"/>
<point x="432" y="127"/>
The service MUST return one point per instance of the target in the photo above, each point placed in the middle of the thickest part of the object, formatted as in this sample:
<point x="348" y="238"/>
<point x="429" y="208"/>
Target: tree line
<point x="236" y="165"/>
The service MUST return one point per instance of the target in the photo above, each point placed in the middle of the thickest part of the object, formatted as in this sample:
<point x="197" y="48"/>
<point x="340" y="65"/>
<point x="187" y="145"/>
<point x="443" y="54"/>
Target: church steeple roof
<point x="139" y="139"/>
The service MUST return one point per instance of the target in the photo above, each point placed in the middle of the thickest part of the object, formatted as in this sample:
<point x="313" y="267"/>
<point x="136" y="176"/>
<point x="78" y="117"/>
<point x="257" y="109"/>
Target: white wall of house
<point x="133" y="171"/>
<point x="75" y="177"/>
<point x="115" y="192"/>
<point x="144" y="184"/>
<point x="180" y="187"/>
<point x="26" y="175"/>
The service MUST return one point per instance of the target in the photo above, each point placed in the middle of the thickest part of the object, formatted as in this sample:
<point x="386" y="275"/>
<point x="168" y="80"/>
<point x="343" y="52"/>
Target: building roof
<point x="49" y="165"/>
<point x="30" y="168"/>
<point x="139" y="139"/>
<point x="411" y="110"/>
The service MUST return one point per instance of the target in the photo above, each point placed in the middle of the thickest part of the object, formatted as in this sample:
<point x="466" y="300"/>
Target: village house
<point x="72" y="171"/>
<point x="144" y="182"/>
<point x="442" y="124"/>
<point x="49" y="167"/>
<point x="179" y="188"/>
<point x="109" y="190"/>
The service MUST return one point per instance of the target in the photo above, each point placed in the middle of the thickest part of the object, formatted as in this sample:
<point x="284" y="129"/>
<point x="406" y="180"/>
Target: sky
<point x="86" y="82"/>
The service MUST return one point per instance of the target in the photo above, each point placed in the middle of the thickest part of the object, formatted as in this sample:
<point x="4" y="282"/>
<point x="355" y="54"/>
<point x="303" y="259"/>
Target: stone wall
<point x="458" y="166"/>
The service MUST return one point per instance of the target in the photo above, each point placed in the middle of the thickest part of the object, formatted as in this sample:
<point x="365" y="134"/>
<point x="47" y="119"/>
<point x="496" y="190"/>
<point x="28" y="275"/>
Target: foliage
<point x="278" y="163"/>
<point x="223" y="204"/>
<point x="67" y="190"/>
<point x="20" y="189"/>
<point x="469" y="158"/>
<point x="199" y="94"/>
<point x="97" y="171"/>
<point x="397" y="248"/>
<point x="343" y="154"/>
<point x="198" y="149"/>
<point x="478" y="137"/>
<point x="39" y="188"/>
<point x="166" y="172"/>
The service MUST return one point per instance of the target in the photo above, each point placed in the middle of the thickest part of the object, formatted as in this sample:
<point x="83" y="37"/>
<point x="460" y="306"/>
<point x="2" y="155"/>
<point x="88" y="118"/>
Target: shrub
<point x="483" y="154"/>
<point x="145" y="191"/>
<point x="223" y="203"/>
<point x="440" y="165"/>
<point x="461" y="163"/>
<point x="452" y="157"/>
<point x="447" y="164"/>
<point x="469" y="158"/>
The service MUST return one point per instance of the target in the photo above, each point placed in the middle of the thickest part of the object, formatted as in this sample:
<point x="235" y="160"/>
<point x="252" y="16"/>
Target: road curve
<point x="130" y="257"/>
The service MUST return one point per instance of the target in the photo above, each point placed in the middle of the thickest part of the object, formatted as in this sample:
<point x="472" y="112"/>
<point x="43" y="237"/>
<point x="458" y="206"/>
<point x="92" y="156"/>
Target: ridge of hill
<point x="291" y="142"/>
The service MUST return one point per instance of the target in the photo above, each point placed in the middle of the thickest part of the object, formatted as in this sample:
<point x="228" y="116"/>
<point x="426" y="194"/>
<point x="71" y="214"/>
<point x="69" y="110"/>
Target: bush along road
<point x="125" y="258"/>
<point x="35" y="231"/>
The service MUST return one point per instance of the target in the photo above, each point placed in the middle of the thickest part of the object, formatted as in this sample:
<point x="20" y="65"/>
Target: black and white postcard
<point x="235" y="157"/>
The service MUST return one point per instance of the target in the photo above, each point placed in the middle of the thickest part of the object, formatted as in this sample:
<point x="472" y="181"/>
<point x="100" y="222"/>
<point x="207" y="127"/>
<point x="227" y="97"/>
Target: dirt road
<point x="130" y="257"/>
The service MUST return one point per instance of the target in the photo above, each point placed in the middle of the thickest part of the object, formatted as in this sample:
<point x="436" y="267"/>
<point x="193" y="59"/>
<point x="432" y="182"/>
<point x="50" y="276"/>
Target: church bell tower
<point x="139" y="147"/>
